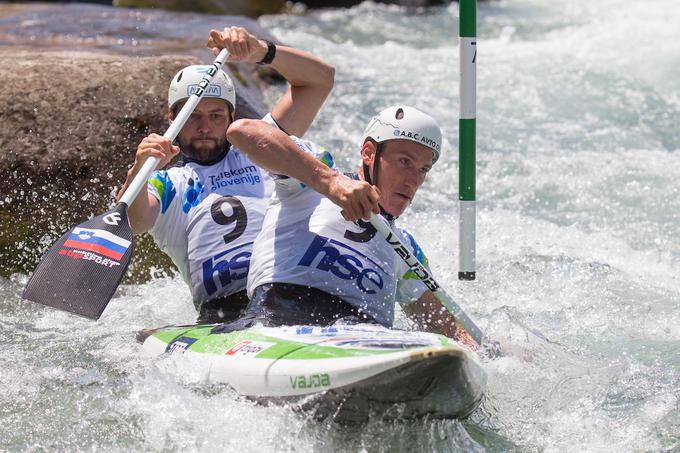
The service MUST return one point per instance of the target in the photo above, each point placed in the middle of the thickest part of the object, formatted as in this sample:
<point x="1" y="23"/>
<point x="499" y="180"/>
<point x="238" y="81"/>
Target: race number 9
<point x="238" y="216"/>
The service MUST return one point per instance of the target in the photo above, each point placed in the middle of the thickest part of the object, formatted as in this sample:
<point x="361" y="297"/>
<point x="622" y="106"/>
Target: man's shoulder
<point x="411" y="240"/>
<point x="173" y="175"/>
<point x="318" y="151"/>
<point x="306" y="145"/>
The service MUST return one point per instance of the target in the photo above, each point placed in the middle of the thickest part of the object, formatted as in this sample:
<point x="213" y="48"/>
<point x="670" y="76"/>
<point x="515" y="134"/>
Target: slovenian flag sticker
<point x="98" y="241"/>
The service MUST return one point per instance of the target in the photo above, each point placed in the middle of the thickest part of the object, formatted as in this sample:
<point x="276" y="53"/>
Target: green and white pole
<point x="467" y="138"/>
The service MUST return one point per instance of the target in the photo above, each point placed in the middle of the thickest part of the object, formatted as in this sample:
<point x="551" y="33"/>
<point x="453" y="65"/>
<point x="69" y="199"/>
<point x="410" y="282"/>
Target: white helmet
<point x="406" y="123"/>
<point x="186" y="81"/>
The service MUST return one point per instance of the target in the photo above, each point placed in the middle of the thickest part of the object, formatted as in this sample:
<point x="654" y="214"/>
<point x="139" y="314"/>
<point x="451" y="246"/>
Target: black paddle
<point x="82" y="270"/>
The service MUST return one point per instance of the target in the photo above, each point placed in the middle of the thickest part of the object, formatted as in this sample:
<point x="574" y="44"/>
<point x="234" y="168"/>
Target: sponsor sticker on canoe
<point x="248" y="348"/>
<point x="180" y="344"/>
<point x="376" y="343"/>
<point x="359" y="337"/>
<point x="311" y="381"/>
<point x="309" y="330"/>
<point x="356" y="336"/>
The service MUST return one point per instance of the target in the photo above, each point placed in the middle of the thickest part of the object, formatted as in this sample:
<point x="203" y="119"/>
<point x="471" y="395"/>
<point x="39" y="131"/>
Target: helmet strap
<point x="389" y="217"/>
<point x="373" y="179"/>
<point x="376" y="163"/>
<point x="367" y="176"/>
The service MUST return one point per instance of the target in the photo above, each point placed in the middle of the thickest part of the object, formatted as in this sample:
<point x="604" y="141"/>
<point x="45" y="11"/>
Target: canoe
<point x="346" y="372"/>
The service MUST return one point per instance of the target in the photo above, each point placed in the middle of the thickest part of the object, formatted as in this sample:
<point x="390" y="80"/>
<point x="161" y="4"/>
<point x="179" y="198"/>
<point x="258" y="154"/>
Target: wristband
<point x="269" y="56"/>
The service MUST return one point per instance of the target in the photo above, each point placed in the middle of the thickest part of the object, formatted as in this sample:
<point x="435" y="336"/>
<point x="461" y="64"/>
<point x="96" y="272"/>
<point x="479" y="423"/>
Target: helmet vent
<point x="400" y="113"/>
<point x="179" y="77"/>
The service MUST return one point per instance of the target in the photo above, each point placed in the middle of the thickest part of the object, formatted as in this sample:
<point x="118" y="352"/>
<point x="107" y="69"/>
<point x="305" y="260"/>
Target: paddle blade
<point x="82" y="270"/>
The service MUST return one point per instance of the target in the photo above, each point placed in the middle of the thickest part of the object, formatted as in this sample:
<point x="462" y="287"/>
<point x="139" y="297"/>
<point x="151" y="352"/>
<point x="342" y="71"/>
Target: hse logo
<point x="224" y="268"/>
<point x="346" y="266"/>
<point x="417" y="137"/>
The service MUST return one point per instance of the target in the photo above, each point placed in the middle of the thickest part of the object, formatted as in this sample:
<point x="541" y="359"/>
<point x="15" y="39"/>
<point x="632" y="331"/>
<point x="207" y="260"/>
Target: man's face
<point x="403" y="167"/>
<point x="204" y="135"/>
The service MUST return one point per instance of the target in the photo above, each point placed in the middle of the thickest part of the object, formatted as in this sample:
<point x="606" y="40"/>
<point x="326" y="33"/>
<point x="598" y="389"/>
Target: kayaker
<point x="205" y="212"/>
<point x="315" y="260"/>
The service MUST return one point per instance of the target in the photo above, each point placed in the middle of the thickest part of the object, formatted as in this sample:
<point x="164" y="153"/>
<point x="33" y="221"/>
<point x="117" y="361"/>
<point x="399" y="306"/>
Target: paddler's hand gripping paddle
<point x="82" y="270"/>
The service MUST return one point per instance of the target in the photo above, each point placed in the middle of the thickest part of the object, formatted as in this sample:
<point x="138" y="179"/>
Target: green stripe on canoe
<point x="219" y="344"/>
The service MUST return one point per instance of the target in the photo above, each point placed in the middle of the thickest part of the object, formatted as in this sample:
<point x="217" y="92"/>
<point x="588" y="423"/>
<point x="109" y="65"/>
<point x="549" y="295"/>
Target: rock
<point x="251" y="8"/>
<point x="71" y="122"/>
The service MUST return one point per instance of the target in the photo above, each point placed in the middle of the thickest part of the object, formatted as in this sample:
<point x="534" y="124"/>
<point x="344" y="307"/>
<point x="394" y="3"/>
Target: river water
<point x="578" y="237"/>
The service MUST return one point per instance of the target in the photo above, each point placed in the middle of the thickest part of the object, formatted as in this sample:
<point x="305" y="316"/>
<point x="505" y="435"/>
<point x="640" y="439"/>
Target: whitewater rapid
<point x="578" y="245"/>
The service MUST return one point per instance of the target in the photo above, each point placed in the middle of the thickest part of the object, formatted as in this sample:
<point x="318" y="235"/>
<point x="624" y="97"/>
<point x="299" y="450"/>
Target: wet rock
<point x="251" y="8"/>
<point x="71" y="122"/>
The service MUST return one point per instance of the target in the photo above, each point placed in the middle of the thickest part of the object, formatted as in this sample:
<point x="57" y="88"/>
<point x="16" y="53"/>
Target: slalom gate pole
<point x="467" y="139"/>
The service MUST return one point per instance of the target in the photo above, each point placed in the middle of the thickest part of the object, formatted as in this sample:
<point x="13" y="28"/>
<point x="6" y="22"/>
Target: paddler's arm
<point x="431" y="316"/>
<point x="311" y="79"/>
<point x="145" y="209"/>
<point x="273" y="150"/>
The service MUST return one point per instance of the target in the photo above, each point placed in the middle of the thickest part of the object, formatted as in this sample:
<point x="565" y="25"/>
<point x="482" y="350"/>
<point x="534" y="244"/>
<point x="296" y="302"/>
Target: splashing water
<point x="578" y="249"/>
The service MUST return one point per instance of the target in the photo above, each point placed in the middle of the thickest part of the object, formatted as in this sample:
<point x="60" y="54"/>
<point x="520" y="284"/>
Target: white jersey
<point x="305" y="241"/>
<point x="209" y="218"/>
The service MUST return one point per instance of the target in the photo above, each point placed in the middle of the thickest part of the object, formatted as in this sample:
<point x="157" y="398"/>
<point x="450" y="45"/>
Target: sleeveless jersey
<point x="305" y="241"/>
<point x="209" y="218"/>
